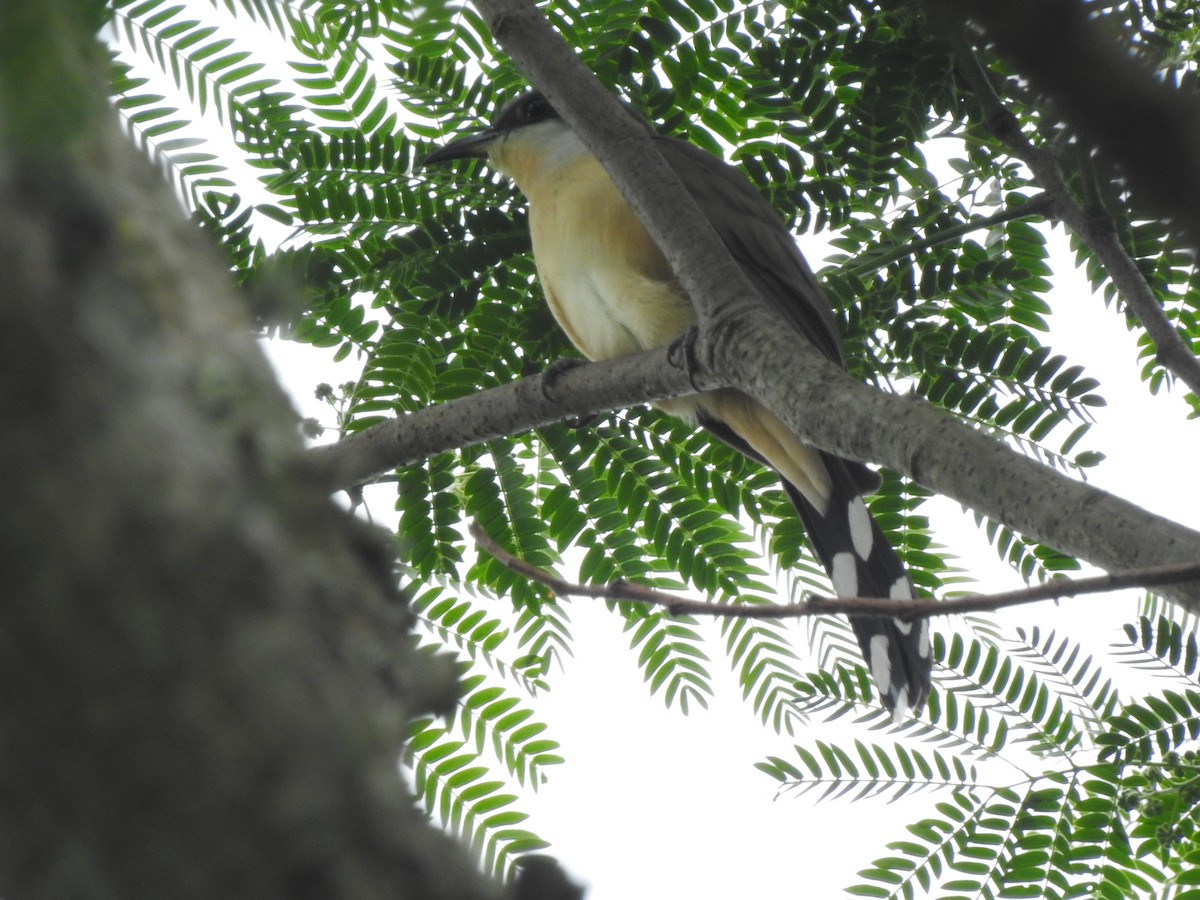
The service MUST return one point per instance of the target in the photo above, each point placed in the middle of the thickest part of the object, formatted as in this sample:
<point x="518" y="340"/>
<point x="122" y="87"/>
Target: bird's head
<point x="523" y="136"/>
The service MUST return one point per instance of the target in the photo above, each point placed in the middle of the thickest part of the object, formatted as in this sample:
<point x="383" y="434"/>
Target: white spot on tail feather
<point x="860" y="527"/>
<point x="901" y="589"/>
<point x="902" y="626"/>
<point x="881" y="664"/>
<point x="900" y="709"/>
<point x="923" y="643"/>
<point x="843" y="572"/>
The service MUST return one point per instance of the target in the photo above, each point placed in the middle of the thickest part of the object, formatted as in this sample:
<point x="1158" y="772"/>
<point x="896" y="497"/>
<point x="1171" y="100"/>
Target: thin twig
<point x="851" y="606"/>
<point x="1037" y="205"/>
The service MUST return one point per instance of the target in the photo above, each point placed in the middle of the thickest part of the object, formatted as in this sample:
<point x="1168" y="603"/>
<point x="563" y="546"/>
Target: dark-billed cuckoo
<point x="613" y="293"/>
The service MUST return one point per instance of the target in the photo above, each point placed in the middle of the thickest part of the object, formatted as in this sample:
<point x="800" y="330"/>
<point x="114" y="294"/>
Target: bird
<point x="612" y="291"/>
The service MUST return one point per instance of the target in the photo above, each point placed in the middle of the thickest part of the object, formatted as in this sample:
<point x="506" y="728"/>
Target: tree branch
<point x="916" y="439"/>
<point x="582" y="390"/>
<point x="848" y="606"/>
<point x="1158" y="143"/>
<point x="1034" y="206"/>
<point x="743" y="343"/>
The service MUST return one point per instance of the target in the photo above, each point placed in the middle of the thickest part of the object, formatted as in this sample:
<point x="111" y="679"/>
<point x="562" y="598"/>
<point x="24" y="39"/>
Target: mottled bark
<point x="205" y="669"/>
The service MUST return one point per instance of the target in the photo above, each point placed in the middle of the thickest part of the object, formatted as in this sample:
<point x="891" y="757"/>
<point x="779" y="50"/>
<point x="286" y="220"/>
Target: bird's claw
<point x="682" y="353"/>
<point x="553" y="372"/>
<point x="550" y="377"/>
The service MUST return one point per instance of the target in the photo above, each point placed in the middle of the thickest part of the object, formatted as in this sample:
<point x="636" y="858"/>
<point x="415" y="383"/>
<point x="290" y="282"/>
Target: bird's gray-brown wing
<point x="758" y="240"/>
<point x="850" y="544"/>
<point x="761" y="245"/>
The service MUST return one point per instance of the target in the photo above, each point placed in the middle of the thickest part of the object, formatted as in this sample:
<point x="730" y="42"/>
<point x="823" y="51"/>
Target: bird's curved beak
<point x="473" y="146"/>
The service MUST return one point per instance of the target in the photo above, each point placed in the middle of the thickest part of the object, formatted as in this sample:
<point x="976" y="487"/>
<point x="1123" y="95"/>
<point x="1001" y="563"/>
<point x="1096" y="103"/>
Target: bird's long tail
<point x="861" y="563"/>
<point x="849" y="543"/>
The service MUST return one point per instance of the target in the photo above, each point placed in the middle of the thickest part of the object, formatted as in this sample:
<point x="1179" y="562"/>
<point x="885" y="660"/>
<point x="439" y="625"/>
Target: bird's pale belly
<point x="615" y="313"/>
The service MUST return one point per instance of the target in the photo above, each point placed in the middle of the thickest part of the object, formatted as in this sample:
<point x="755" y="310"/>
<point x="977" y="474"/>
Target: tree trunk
<point x="205" y="671"/>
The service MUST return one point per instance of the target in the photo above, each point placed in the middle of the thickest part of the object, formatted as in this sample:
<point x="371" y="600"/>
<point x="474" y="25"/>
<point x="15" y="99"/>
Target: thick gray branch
<point x="828" y="408"/>
<point x="508" y="409"/>
<point x="822" y="404"/>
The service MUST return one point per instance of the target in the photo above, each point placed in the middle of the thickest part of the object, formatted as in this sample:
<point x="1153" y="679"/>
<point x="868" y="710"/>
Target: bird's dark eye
<point x="529" y="109"/>
<point x="536" y="109"/>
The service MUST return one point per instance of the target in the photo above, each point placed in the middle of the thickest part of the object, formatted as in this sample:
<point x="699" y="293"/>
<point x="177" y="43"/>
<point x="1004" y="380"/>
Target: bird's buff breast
<point x="607" y="284"/>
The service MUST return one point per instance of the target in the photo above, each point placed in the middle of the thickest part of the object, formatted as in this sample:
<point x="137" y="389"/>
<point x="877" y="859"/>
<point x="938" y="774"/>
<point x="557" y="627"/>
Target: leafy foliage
<point x="1103" y="796"/>
<point x="301" y="161"/>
